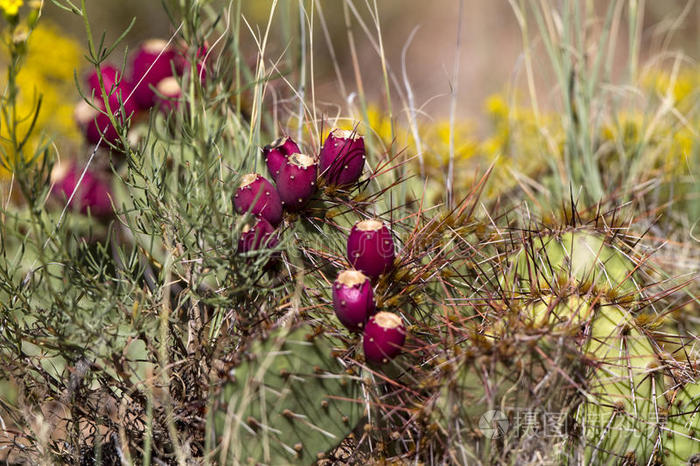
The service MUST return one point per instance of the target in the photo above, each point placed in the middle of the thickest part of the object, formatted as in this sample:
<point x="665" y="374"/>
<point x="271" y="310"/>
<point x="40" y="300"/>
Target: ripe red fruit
<point x="353" y="299"/>
<point x="370" y="248"/>
<point x="92" y="195"/>
<point x="342" y="158"/>
<point x="111" y="78"/>
<point x="152" y="63"/>
<point x="296" y="182"/>
<point x="384" y="337"/>
<point x="276" y="154"/>
<point x="258" y="235"/>
<point x="257" y="196"/>
<point x="168" y="94"/>
<point x="183" y="63"/>
<point x="94" y="122"/>
<point x="183" y="59"/>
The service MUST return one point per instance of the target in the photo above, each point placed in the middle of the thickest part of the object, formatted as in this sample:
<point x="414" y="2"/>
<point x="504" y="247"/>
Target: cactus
<point x="257" y="195"/>
<point x="622" y="413"/>
<point x="681" y="441"/>
<point x="558" y="312"/>
<point x="296" y="181"/>
<point x="91" y="196"/>
<point x="111" y="77"/>
<point x="579" y="256"/>
<point x="168" y="94"/>
<point x="276" y="154"/>
<point x="290" y="402"/>
<point x="151" y="64"/>
<point x="342" y="157"/>
<point x="370" y="248"/>
<point x="353" y="299"/>
<point x="490" y="379"/>
<point x="384" y="337"/>
<point x="257" y="235"/>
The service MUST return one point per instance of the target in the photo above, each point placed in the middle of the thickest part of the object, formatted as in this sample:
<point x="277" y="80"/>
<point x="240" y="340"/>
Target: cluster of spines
<point x="582" y="289"/>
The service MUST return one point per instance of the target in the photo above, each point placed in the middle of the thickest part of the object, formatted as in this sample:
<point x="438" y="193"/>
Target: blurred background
<point x="489" y="51"/>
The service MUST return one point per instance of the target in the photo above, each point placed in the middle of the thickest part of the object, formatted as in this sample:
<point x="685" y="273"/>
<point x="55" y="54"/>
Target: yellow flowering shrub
<point x="47" y="70"/>
<point x="10" y="7"/>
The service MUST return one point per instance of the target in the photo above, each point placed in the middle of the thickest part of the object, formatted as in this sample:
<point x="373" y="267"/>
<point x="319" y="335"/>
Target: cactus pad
<point x="558" y="312"/>
<point x="681" y="441"/>
<point x="290" y="401"/>
<point x="582" y="257"/>
<point x="624" y="406"/>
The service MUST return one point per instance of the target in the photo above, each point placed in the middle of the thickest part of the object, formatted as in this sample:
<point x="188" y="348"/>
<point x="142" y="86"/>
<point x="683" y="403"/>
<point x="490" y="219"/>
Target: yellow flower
<point x="496" y="106"/>
<point x="10" y="7"/>
<point x="47" y="70"/>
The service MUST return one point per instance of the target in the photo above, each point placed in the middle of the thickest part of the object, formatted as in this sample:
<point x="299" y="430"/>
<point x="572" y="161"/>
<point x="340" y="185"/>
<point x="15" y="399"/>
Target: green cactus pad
<point x="681" y="440"/>
<point x="560" y="313"/>
<point x="582" y="257"/>
<point x="625" y="402"/>
<point x="546" y="313"/>
<point x="290" y="402"/>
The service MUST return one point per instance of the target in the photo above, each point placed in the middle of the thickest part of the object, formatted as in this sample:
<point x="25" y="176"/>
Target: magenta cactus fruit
<point x="258" y="235"/>
<point x="111" y="78"/>
<point x="353" y="299"/>
<point x="92" y="195"/>
<point x="342" y="157"/>
<point x="257" y="196"/>
<point x="93" y="120"/>
<point x="183" y="63"/>
<point x="296" y="182"/>
<point x="384" y="337"/>
<point x="276" y="154"/>
<point x="95" y="123"/>
<point x="370" y="248"/>
<point x="152" y="63"/>
<point x="168" y="94"/>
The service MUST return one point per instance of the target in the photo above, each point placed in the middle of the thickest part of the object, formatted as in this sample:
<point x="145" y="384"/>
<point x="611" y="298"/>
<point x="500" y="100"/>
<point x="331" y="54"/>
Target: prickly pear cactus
<point x="579" y="256"/>
<point x="557" y="312"/>
<point x="623" y="410"/>
<point x="290" y="401"/>
<point x="511" y="369"/>
<point x="681" y="439"/>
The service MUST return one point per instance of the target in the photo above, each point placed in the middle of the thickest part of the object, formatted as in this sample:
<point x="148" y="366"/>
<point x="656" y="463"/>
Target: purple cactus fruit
<point x="342" y="158"/>
<point x="276" y="154"/>
<point x="152" y="63"/>
<point x="371" y="248"/>
<point x="384" y="337"/>
<point x="183" y="63"/>
<point x="111" y="78"/>
<point x="296" y="182"/>
<point x="202" y="72"/>
<point x="259" y="235"/>
<point x="257" y="196"/>
<point x="92" y="195"/>
<point x="353" y="299"/>
<point x="94" y="122"/>
<point x="168" y="94"/>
